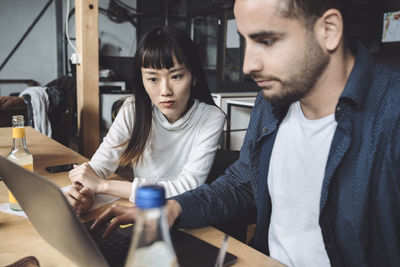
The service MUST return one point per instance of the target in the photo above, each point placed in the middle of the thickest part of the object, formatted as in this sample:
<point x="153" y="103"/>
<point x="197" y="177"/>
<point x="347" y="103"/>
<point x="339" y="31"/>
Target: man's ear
<point x="329" y="29"/>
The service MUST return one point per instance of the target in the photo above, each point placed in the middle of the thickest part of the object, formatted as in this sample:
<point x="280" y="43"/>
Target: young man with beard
<point x="320" y="164"/>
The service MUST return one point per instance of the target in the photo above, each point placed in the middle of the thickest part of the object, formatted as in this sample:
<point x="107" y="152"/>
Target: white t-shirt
<point x="295" y="177"/>
<point x="178" y="155"/>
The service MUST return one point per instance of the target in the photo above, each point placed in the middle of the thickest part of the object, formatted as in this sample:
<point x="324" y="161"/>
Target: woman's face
<point x="169" y="89"/>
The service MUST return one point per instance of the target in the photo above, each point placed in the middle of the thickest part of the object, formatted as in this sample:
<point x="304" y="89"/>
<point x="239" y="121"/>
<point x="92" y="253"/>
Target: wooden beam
<point x="87" y="75"/>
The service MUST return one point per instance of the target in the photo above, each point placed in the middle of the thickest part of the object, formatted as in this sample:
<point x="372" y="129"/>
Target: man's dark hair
<point x="308" y="11"/>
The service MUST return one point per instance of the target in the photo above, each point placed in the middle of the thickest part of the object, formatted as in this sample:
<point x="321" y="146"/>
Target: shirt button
<point x="265" y="129"/>
<point x="338" y="109"/>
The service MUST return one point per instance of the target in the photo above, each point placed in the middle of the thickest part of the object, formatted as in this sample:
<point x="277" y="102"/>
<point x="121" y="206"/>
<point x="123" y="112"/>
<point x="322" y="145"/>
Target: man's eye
<point x="268" y="41"/>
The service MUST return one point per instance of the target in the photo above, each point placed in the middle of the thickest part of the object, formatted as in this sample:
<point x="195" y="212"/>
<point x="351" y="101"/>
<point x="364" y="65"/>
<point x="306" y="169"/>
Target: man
<point x="320" y="163"/>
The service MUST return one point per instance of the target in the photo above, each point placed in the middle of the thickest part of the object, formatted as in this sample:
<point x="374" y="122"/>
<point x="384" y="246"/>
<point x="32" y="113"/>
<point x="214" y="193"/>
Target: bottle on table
<point x="151" y="244"/>
<point x="19" y="153"/>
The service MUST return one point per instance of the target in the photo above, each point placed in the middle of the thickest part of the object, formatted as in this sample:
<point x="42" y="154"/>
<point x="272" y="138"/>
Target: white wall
<point x="36" y="58"/>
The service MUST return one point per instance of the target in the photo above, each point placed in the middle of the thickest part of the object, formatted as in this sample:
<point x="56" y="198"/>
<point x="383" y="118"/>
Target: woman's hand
<point x="80" y="198"/>
<point x="84" y="175"/>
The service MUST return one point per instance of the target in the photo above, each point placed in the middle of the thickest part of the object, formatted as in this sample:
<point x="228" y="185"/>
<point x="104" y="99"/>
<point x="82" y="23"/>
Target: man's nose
<point x="252" y="61"/>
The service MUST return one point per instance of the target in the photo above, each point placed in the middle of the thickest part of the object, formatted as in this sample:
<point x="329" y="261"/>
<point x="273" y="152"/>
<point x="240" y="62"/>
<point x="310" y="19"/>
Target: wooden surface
<point x="87" y="75"/>
<point x="19" y="238"/>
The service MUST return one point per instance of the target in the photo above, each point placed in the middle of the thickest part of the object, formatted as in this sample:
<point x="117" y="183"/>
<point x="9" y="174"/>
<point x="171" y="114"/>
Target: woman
<point x="168" y="132"/>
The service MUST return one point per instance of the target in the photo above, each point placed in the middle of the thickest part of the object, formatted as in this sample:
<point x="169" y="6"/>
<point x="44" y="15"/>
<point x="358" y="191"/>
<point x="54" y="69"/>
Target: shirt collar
<point x="181" y="123"/>
<point x="360" y="77"/>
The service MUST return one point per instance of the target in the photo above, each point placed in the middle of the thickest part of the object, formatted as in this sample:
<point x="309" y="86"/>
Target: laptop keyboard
<point x="190" y="251"/>
<point x="114" y="248"/>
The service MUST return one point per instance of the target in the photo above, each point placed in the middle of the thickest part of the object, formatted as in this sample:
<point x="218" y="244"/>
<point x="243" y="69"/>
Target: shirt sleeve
<point x="106" y="159"/>
<point x="194" y="173"/>
<point x="396" y="158"/>
<point x="229" y="197"/>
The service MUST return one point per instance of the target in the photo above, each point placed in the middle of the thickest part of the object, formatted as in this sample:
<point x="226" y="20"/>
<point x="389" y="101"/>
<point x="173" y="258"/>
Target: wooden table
<point x="19" y="238"/>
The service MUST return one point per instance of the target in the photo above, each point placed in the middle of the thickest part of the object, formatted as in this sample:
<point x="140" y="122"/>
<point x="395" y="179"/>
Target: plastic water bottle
<point x="151" y="244"/>
<point x="19" y="153"/>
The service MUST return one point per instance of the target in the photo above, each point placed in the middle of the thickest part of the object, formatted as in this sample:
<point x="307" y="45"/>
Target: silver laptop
<point x="45" y="205"/>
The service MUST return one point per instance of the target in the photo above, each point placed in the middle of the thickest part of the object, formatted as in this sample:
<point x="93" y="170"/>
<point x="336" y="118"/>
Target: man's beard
<point x="310" y="68"/>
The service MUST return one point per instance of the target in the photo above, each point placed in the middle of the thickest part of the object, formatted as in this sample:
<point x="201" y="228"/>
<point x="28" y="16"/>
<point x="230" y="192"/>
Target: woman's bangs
<point x="161" y="56"/>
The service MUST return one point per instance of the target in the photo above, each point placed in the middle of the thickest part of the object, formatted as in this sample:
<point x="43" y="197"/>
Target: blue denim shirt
<point x="360" y="197"/>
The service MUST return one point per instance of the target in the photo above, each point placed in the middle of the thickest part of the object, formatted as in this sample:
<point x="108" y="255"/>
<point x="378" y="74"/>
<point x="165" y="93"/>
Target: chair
<point x="62" y="109"/>
<point x="61" y="113"/>
<point x="10" y="106"/>
<point x="223" y="159"/>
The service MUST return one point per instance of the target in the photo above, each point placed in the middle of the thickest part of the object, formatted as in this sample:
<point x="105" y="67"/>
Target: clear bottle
<point x="19" y="153"/>
<point x="151" y="244"/>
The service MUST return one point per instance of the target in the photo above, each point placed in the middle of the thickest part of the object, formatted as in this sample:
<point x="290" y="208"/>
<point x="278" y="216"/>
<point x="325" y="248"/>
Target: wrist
<point x="103" y="187"/>
<point x="177" y="208"/>
<point x="174" y="210"/>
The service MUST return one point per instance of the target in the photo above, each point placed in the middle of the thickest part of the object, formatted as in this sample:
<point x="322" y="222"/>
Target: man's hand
<point x="173" y="210"/>
<point x="120" y="214"/>
<point x="124" y="215"/>
<point x="80" y="198"/>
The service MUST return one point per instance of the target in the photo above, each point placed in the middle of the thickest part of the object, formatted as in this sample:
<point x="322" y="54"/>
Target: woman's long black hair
<point x="157" y="50"/>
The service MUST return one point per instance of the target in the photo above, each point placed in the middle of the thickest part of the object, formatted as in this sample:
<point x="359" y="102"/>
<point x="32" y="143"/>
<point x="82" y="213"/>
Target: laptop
<point x="45" y="205"/>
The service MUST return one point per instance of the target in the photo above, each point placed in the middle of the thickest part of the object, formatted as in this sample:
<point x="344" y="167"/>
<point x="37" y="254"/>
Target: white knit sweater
<point x="178" y="155"/>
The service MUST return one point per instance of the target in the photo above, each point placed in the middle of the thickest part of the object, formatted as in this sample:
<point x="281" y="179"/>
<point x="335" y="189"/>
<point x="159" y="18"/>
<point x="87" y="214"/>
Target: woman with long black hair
<point x="168" y="131"/>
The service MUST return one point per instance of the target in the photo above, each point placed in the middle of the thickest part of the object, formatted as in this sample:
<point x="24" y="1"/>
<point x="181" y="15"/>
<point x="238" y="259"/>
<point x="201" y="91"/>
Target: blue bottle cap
<point x="150" y="196"/>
